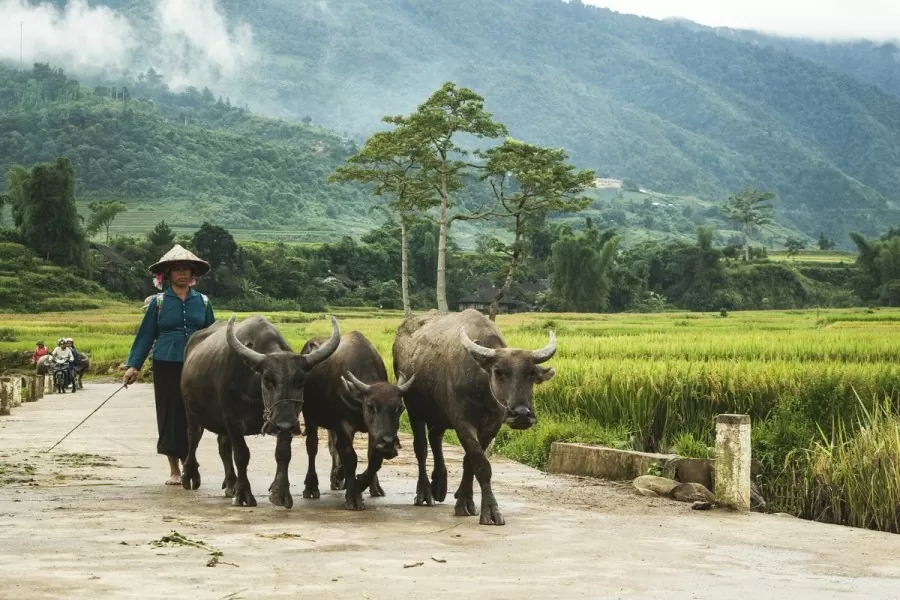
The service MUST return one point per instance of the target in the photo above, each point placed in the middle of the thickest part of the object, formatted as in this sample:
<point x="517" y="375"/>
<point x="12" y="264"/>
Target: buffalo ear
<point x="544" y="374"/>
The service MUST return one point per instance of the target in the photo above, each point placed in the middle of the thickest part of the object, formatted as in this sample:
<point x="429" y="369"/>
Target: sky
<point x="819" y="19"/>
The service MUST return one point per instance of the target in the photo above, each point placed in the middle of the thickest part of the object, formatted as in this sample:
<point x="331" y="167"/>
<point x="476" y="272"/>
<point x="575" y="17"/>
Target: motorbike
<point x="61" y="375"/>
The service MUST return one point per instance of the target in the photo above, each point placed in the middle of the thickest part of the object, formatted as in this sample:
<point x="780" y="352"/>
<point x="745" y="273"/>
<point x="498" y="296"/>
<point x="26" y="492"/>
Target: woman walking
<point x="170" y="319"/>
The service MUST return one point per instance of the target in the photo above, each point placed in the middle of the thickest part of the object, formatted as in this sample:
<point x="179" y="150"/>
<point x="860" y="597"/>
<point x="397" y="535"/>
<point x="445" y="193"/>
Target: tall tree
<point x="49" y="218"/>
<point x="433" y="131"/>
<point x="161" y="236"/>
<point x="395" y="168"/>
<point x="103" y="214"/>
<point x="748" y="207"/>
<point x="580" y="277"/>
<point x="529" y="182"/>
<point x="15" y="191"/>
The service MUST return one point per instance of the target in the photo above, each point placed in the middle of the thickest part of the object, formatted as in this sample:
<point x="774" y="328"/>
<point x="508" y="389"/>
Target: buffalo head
<point x="282" y="376"/>
<point x="512" y="373"/>
<point x="382" y="405"/>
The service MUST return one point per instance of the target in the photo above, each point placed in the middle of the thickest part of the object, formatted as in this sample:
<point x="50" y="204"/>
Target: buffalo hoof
<point x="190" y="481"/>
<point x="465" y="507"/>
<point x="439" y="485"/>
<point x="354" y="502"/>
<point x="337" y="479"/>
<point x="375" y="489"/>
<point x="490" y="515"/>
<point x="282" y="497"/>
<point x="228" y="485"/>
<point x="423" y="495"/>
<point x="243" y="497"/>
<point x="311" y="493"/>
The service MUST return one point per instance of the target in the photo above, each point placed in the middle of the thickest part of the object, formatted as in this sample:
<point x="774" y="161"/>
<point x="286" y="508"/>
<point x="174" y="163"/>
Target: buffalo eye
<point x="499" y="373"/>
<point x="270" y="381"/>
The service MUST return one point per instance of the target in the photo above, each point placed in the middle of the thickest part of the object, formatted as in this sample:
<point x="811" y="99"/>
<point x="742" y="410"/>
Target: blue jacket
<point x="178" y="320"/>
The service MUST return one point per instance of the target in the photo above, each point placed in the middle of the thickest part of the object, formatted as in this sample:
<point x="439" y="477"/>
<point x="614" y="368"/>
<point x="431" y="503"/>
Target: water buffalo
<point x="470" y="381"/>
<point x="245" y="380"/>
<point x="346" y="394"/>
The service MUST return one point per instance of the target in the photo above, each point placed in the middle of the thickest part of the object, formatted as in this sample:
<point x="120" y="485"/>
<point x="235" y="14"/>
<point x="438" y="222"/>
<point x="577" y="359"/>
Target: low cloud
<point x="189" y="42"/>
<point x="826" y="20"/>
<point x="78" y="37"/>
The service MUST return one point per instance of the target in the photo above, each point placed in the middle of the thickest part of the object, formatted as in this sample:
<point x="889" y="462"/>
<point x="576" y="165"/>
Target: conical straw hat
<point x="177" y="254"/>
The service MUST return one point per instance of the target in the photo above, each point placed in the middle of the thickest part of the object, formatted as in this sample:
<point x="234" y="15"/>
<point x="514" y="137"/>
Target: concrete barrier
<point x="602" y="462"/>
<point x="5" y="397"/>
<point x="48" y="384"/>
<point x="733" y="461"/>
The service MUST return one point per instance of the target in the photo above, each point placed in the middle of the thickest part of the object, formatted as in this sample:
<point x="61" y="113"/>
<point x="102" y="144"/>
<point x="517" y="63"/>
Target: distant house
<point x="342" y="280"/>
<point x="109" y="254"/>
<point x="482" y="295"/>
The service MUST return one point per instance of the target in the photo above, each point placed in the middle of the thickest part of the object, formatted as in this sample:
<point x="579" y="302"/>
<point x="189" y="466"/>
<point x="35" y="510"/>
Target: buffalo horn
<point x="547" y="352"/>
<point x="324" y="351"/>
<point x="359" y="385"/>
<point x="251" y="357"/>
<point x="475" y="349"/>
<point x="403" y="383"/>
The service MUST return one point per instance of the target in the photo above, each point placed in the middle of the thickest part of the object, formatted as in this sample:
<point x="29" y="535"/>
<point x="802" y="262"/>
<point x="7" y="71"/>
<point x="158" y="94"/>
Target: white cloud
<point x="78" y="38"/>
<point x="188" y="41"/>
<point x="821" y="19"/>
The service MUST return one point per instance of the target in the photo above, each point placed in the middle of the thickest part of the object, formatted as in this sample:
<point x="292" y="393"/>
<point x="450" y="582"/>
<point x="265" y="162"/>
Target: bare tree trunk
<point x="404" y="269"/>
<point x="510" y="276"/>
<point x="441" y="286"/>
<point x="746" y="244"/>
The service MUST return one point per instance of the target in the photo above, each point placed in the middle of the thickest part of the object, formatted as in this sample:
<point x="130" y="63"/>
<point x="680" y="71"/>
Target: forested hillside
<point x="246" y="172"/>
<point x="676" y="110"/>
<point x="876" y="63"/>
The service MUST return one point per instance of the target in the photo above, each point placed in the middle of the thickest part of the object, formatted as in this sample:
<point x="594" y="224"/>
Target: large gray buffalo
<point x="468" y="380"/>
<point x="245" y="380"/>
<point x="348" y="393"/>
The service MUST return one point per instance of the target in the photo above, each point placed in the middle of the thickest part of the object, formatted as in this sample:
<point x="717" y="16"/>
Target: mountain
<point x="875" y="63"/>
<point x="671" y="109"/>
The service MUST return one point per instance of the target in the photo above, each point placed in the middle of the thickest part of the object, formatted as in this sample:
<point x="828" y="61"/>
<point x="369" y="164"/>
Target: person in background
<point x="64" y="353"/>
<point x="39" y="351"/>
<point x="169" y="320"/>
<point x="70" y="344"/>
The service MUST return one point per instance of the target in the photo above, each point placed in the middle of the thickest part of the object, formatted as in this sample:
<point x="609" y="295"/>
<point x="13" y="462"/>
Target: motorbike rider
<point x="63" y="353"/>
<point x="39" y="351"/>
<point x="70" y="344"/>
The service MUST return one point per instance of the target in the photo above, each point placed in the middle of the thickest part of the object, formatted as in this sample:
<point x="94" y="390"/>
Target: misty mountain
<point x="876" y="63"/>
<point x="672" y="109"/>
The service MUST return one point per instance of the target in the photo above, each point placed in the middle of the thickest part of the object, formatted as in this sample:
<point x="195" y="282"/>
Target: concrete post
<point x="16" y="396"/>
<point x="48" y="384"/>
<point x="32" y="389"/>
<point x="733" y="461"/>
<point x="5" y="396"/>
<point x="39" y="382"/>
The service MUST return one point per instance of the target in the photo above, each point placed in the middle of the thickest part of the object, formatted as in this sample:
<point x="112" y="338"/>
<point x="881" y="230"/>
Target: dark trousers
<point x="170" y="419"/>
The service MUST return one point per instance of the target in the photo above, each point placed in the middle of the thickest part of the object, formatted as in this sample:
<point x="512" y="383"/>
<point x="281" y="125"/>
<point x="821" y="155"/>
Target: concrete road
<point x="80" y="522"/>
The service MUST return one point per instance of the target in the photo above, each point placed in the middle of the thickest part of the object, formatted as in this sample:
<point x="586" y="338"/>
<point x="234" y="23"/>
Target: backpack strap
<point x="161" y="295"/>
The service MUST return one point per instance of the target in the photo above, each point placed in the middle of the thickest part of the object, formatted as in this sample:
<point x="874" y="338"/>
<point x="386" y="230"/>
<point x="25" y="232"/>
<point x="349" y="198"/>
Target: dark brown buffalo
<point x="345" y="394"/>
<point x="467" y="380"/>
<point x="245" y="380"/>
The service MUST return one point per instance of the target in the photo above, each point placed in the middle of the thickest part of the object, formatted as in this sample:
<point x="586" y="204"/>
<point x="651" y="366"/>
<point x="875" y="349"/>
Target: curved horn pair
<point x="539" y="356"/>
<point x="403" y="384"/>
<point x="254" y="358"/>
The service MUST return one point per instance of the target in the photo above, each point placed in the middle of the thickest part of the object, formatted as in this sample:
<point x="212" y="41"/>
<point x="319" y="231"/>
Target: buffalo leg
<point x="439" y="474"/>
<point x="481" y="468"/>
<point x="280" y="490"/>
<point x="311" y="483"/>
<point x="242" y="494"/>
<point x="465" y="497"/>
<point x="337" y="469"/>
<point x="190" y="472"/>
<point x="420" y="444"/>
<point x="369" y="477"/>
<point x="353" y="495"/>
<point x="228" y="464"/>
